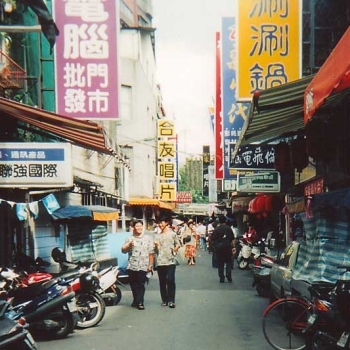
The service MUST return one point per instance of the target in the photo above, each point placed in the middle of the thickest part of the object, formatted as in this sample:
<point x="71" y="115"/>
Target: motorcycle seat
<point x="32" y="290"/>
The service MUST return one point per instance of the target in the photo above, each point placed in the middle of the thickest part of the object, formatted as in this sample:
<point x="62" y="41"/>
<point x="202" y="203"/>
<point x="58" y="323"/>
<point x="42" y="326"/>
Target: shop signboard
<point x="35" y="165"/>
<point x="264" y="182"/>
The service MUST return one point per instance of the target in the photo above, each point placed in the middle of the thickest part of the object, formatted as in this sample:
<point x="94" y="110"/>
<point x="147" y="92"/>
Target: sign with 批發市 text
<point x="267" y="181"/>
<point x="35" y="165"/>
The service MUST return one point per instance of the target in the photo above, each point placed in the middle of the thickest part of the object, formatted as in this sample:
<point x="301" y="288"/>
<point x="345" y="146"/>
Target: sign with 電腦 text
<point x="86" y="59"/>
<point x="35" y="165"/>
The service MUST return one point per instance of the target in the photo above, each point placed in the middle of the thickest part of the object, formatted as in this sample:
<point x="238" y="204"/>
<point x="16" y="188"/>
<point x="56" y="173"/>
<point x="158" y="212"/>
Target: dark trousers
<point x="166" y="275"/>
<point x="137" y="280"/>
<point x="221" y="261"/>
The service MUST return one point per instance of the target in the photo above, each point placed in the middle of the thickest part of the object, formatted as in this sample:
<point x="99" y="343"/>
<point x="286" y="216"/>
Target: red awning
<point x="82" y="133"/>
<point x="333" y="77"/>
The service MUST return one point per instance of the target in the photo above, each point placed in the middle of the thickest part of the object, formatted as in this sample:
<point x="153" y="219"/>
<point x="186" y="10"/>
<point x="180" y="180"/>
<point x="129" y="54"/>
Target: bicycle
<point x="290" y="323"/>
<point x="284" y="322"/>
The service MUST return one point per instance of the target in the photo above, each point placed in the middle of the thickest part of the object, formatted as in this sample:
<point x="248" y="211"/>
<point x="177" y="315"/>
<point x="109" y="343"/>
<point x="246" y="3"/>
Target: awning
<point x="275" y="113"/>
<point x="333" y="77"/>
<point x="82" y="133"/>
<point x="166" y="205"/>
<point x="143" y="201"/>
<point x="93" y="212"/>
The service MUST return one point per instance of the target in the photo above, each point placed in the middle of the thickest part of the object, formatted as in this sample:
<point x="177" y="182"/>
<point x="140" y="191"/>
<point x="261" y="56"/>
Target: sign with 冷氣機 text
<point x="86" y="59"/>
<point x="35" y="165"/>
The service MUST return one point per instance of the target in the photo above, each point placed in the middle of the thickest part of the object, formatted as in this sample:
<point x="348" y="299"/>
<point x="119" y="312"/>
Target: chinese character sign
<point x="253" y="157"/>
<point x="233" y="113"/>
<point x="205" y="165"/>
<point x="35" y="165"/>
<point x="86" y="59"/>
<point x="167" y="160"/>
<point x="269" y="44"/>
<point x="219" y="166"/>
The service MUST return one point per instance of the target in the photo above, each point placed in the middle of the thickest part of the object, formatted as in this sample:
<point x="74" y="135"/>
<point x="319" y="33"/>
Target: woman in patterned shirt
<point x="166" y="245"/>
<point x="140" y="262"/>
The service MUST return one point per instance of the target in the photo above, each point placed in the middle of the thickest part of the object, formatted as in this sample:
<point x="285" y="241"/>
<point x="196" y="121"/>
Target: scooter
<point x="249" y="252"/>
<point x="49" y="306"/>
<point x="108" y="277"/>
<point x="14" y="333"/>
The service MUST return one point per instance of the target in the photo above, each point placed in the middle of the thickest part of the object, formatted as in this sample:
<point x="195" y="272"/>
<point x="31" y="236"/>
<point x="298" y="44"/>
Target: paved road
<point x="208" y="315"/>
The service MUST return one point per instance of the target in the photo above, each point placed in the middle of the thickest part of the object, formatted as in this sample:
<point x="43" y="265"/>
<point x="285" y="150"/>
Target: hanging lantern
<point x="298" y="156"/>
<point x="260" y="203"/>
<point x="282" y="157"/>
<point x="252" y="205"/>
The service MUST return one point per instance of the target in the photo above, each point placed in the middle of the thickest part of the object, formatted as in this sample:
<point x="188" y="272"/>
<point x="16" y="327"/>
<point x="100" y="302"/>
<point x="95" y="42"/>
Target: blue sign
<point x="234" y="113"/>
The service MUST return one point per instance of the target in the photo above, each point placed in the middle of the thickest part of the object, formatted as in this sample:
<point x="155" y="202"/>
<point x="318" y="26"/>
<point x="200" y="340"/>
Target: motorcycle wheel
<point x="91" y="309"/>
<point x="66" y="324"/>
<point x="242" y="264"/>
<point x="115" y="300"/>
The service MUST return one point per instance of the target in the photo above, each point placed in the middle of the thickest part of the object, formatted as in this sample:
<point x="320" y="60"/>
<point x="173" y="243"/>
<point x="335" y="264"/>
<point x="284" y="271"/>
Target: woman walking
<point x="166" y="246"/>
<point x="140" y="262"/>
<point x="190" y="245"/>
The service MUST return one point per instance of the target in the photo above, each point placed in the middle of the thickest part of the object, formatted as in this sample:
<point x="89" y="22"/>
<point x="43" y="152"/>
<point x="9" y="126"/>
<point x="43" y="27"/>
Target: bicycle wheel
<point x="283" y="323"/>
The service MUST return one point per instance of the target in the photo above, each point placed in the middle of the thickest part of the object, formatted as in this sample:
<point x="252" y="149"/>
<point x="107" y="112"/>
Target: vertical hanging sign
<point x="167" y="152"/>
<point x="86" y="59"/>
<point x="206" y="163"/>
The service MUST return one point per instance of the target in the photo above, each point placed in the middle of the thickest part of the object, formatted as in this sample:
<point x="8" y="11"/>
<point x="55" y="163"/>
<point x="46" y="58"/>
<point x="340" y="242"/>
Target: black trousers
<point x="137" y="280"/>
<point x="221" y="261"/>
<point x="166" y="276"/>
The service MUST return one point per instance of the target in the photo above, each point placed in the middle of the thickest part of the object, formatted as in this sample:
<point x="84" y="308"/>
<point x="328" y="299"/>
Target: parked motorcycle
<point x="84" y="282"/>
<point x="249" y="252"/>
<point x="13" y="332"/>
<point x="108" y="277"/>
<point x="49" y="306"/>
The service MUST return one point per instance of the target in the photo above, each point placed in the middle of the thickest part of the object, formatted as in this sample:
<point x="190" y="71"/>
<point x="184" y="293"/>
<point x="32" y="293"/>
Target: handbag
<point x="186" y="239"/>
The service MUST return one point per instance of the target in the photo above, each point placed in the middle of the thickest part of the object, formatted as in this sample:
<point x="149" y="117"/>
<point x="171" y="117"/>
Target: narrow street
<point x="208" y="315"/>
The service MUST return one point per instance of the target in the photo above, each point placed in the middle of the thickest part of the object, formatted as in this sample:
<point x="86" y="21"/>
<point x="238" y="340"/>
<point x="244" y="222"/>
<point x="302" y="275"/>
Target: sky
<point x="185" y="55"/>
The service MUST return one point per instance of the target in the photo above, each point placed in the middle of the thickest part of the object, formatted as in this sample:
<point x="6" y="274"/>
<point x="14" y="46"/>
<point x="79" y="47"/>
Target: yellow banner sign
<point x="269" y="37"/>
<point x="166" y="149"/>
<point x="167" y="191"/>
<point x="167" y="170"/>
<point x="166" y="128"/>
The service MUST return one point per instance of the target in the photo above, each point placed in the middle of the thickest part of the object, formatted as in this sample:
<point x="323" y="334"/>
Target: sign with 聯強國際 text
<point x="269" y="37"/>
<point x="35" y="165"/>
<point x="86" y="59"/>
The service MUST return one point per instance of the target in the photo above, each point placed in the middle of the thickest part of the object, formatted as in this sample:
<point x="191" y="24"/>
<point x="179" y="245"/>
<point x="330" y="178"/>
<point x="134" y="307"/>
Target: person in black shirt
<point x="223" y="243"/>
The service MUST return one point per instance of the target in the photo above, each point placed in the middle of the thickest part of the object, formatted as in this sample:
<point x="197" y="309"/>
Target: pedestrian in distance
<point x="202" y="232"/>
<point x="189" y="237"/>
<point x="140" y="248"/>
<point x="223" y="244"/>
<point x="166" y="245"/>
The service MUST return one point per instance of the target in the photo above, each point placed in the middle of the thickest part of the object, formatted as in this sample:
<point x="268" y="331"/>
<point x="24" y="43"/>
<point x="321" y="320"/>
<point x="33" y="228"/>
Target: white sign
<point x="268" y="181"/>
<point x="36" y="165"/>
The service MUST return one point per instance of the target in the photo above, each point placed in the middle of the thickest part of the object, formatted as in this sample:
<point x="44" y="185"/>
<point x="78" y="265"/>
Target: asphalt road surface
<point x="208" y="315"/>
